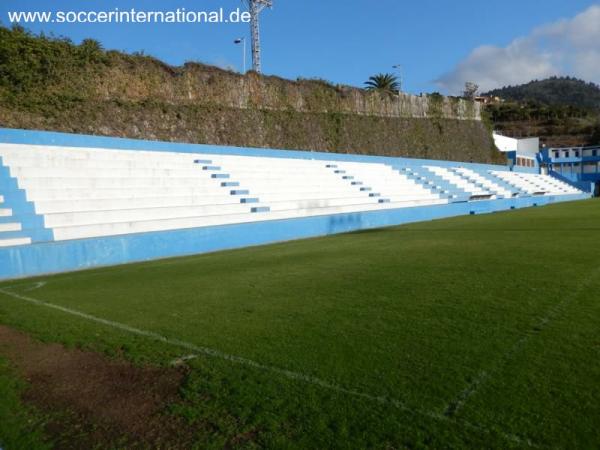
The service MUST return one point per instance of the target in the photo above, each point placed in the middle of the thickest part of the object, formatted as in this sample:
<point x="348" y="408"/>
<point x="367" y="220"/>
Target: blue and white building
<point x="520" y="152"/>
<point x="579" y="165"/>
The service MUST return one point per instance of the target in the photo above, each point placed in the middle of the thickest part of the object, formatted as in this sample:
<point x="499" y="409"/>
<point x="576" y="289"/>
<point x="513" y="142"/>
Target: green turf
<point x="20" y="428"/>
<point x="478" y="331"/>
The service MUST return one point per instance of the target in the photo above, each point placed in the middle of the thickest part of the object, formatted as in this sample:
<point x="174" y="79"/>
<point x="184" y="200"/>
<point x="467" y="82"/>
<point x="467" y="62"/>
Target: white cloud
<point x="566" y="47"/>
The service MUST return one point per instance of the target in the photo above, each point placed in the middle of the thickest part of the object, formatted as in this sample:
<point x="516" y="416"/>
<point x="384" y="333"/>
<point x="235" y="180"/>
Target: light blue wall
<point x="51" y="257"/>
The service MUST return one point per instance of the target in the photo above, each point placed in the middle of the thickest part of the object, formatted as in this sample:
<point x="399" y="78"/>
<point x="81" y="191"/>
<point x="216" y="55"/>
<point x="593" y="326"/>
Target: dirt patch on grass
<point x="95" y="401"/>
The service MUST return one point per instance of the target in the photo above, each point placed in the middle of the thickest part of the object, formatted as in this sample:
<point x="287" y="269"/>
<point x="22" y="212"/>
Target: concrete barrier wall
<point x="53" y="257"/>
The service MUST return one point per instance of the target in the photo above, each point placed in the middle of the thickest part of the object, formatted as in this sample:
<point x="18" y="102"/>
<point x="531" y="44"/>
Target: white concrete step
<point x="99" y="154"/>
<point x="15" y="241"/>
<point x="66" y="172"/>
<point x="74" y="163"/>
<point x="12" y="226"/>
<point x="53" y="153"/>
<point x="312" y="195"/>
<point x="110" y="229"/>
<point x="143" y="214"/>
<point x="72" y="206"/>
<point x="59" y="194"/>
<point x="57" y="206"/>
<point x="484" y="181"/>
<point x="409" y="198"/>
<point x="318" y="203"/>
<point x="5" y="212"/>
<point x="193" y="170"/>
<point x="124" y="183"/>
<point x="218" y="194"/>
<point x="83" y="231"/>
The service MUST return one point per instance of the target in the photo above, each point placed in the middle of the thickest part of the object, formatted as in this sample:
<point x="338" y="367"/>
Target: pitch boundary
<point x="298" y="376"/>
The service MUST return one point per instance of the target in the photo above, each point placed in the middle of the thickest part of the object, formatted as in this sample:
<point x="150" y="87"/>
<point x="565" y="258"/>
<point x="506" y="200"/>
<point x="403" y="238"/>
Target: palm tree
<point x="383" y="82"/>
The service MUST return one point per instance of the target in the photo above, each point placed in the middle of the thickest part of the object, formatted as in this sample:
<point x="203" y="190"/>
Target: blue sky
<point x="440" y="44"/>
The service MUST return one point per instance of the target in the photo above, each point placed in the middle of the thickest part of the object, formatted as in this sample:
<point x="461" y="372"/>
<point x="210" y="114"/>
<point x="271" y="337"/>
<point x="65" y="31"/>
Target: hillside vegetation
<point x="562" y="111"/>
<point x="555" y="91"/>
<point x="51" y="83"/>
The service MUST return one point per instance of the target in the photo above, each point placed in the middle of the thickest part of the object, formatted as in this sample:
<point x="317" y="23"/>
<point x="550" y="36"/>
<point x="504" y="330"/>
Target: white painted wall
<point x="505" y="143"/>
<point x="528" y="147"/>
<point x="523" y="147"/>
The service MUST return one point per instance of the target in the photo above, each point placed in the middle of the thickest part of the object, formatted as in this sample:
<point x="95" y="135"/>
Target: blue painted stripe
<point x="8" y="184"/>
<point x="220" y="175"/>
<point x="259" y="209"/>
<point x="249" y="200"/>
<point x="230" y="184"/>
<point x="36" y="235"/>
<point x="239" y="192"/>
<point x="12" y="234"/>
<point x="34" y="220"/>
<point x="23" y="211"/>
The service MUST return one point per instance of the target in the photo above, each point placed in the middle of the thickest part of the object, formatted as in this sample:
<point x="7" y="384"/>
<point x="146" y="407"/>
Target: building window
<point x="577" y="154"/>
<point x="557" y="155"/>
<point x="594" y="152"/>
<point x="566" y="154"/>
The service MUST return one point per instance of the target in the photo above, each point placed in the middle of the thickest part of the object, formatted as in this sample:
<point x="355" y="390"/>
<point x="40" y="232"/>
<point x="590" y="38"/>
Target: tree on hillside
<point x="470" y="90"/>
<point x="383" y="82"/>
<point x="595" y="136"/>
<point x="566" y="91"/>
<point x="91" y="50"/>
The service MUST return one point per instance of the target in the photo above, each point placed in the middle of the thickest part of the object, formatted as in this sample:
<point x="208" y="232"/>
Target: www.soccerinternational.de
<point x="179" y="15"/>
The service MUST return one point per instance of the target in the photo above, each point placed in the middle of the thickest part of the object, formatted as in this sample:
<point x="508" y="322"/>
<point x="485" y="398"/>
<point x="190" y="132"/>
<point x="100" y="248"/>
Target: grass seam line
<point x="251" y="363"/>
<point x="542" y="322"/>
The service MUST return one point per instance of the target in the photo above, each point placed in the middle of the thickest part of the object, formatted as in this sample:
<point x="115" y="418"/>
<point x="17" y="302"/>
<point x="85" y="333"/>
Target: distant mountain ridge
<point x="566" y="91"/>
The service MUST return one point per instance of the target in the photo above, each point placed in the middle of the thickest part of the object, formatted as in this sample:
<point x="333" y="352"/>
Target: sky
<point x="438" y="44"/>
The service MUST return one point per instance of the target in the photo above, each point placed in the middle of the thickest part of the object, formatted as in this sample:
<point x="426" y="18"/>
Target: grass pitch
<point x="479" y="331"/>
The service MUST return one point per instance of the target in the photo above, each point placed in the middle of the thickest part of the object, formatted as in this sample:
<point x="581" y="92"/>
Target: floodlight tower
<point x="255" y="7"/>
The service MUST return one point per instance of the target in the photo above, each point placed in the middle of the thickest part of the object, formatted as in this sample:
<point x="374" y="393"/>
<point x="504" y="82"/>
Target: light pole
<point x="242" y="41"/>
<point x="398" y="67"/>
<point x="254" y="8"/>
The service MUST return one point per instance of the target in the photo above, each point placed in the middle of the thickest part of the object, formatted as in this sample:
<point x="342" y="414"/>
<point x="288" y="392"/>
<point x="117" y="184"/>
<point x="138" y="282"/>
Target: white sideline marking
<point x="455" y="405"/>
<point x="179" y="361"/>
<point x="35" y="286"/>
<point x="251" y="363"/>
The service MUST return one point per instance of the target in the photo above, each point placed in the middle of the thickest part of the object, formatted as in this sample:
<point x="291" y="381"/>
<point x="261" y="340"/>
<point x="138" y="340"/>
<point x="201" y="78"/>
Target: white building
<point x="523" y="151"/>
